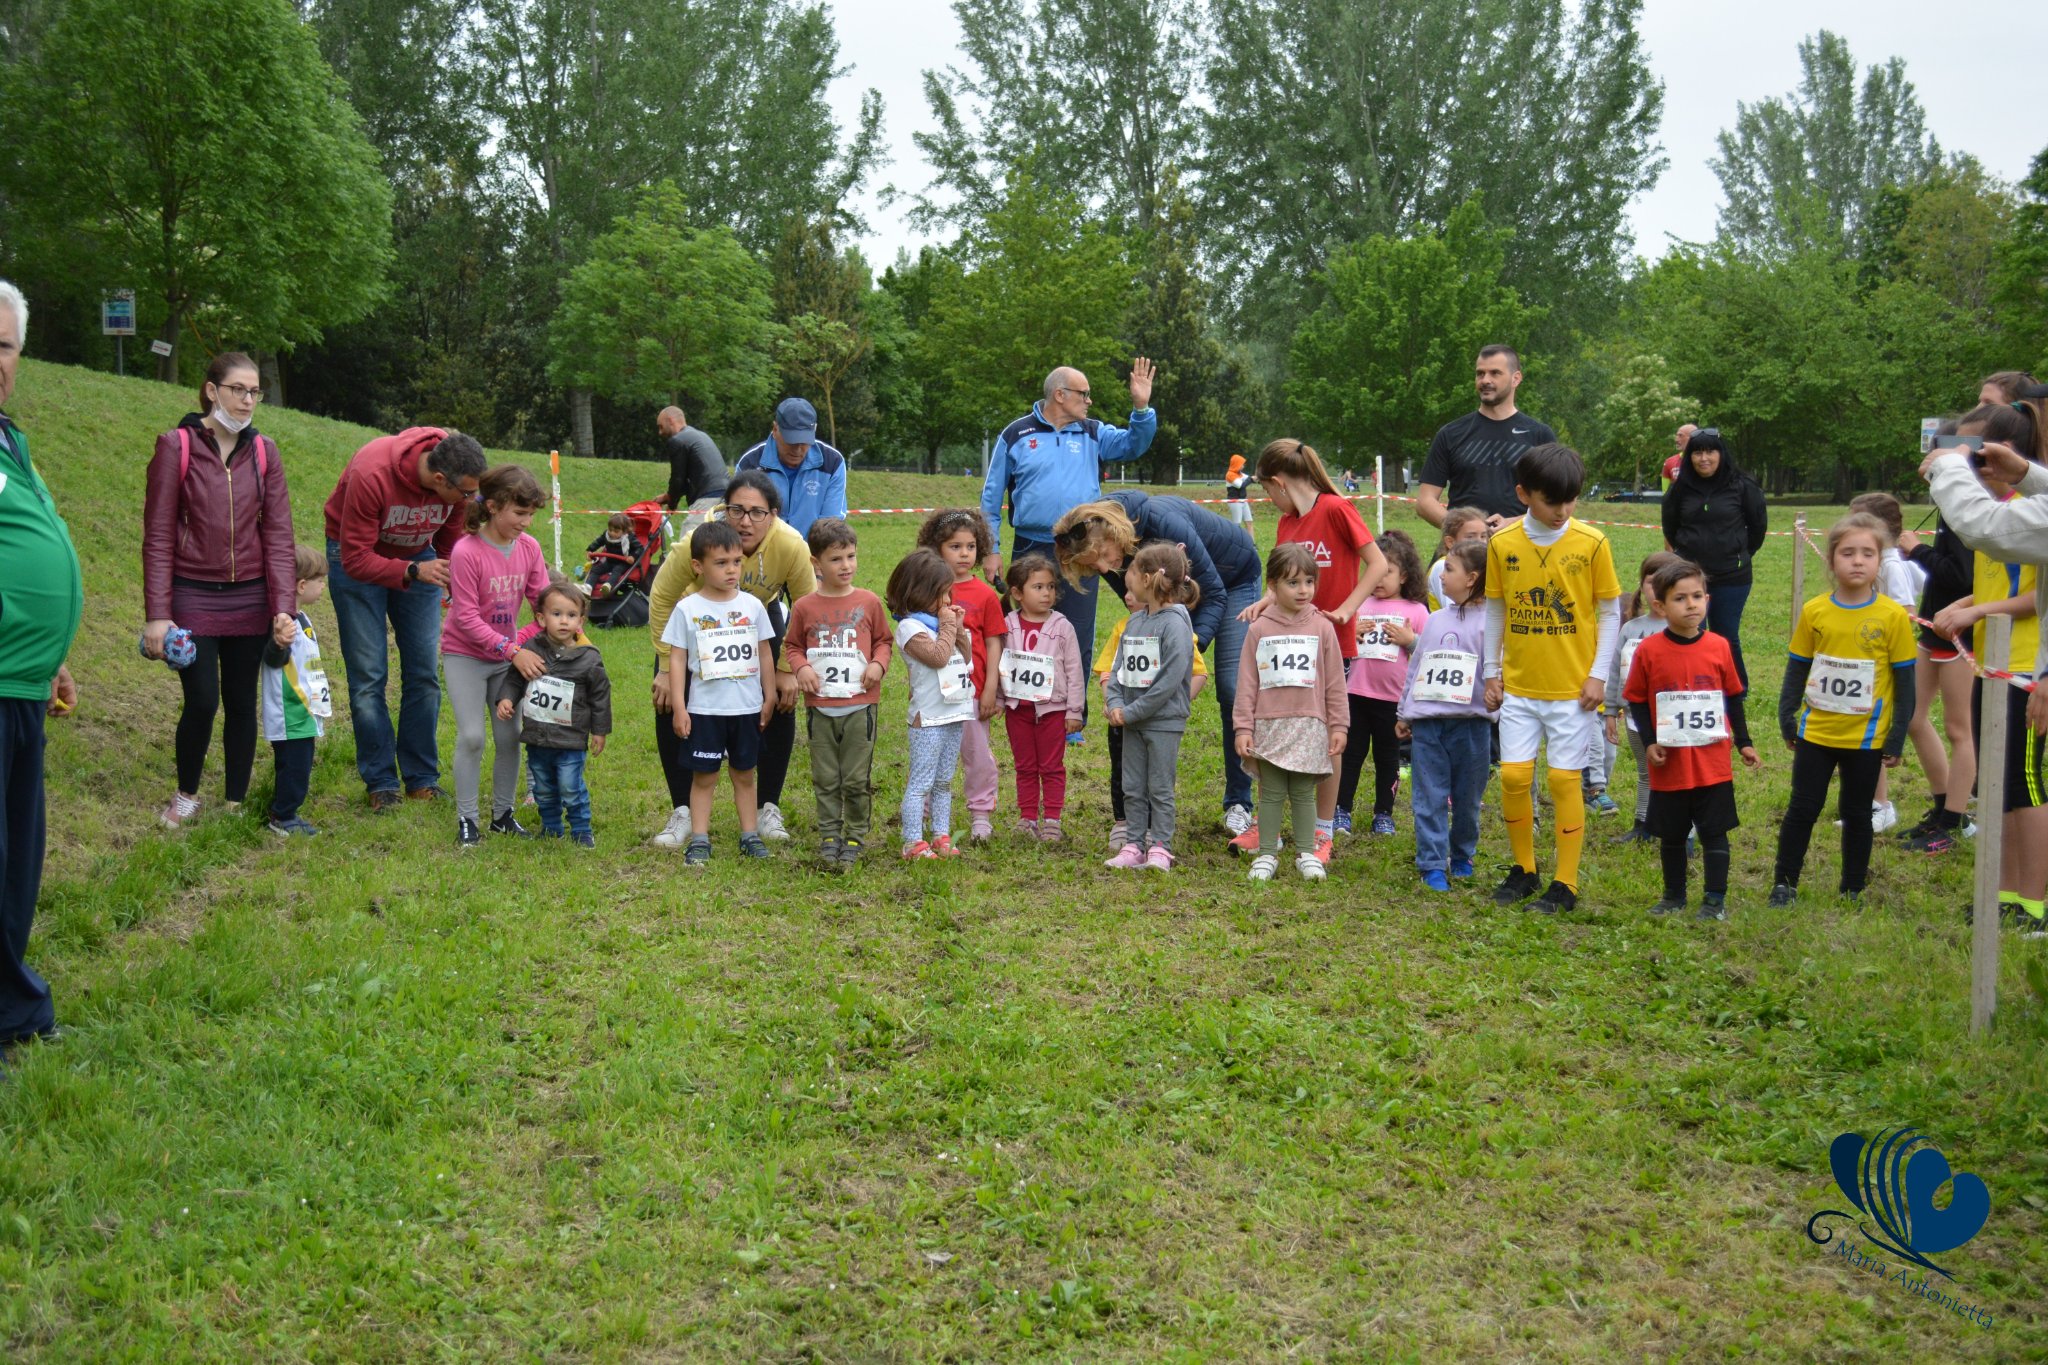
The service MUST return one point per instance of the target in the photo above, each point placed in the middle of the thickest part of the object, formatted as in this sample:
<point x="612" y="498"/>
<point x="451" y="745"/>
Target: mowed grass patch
<point x="366" y="1098"/>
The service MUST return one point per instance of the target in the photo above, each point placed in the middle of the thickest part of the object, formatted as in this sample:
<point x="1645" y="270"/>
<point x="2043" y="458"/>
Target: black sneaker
<point x="1668" y="906"/>
<point x="383" y="801"/>
<point x="1517" y="886"/>
<point x="828" y="854"/>
<point x="584" y="840"/>
<point x="467" y="835"/>
<point x="699" y="851"/>
<point x="1556" y="900"/>
<point x="506" y="824"/>
<point x="1713" y="908"/>
<point x="1931" y="841"/>
<point x="1634" y="834"/>
<point x="1782" y="895"/>
<point x="849" y="853"/>
<point x="754" y="846"/>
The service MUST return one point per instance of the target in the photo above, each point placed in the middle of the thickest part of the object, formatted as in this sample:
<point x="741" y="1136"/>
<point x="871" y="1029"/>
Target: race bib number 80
<point x="1138" y="662"/>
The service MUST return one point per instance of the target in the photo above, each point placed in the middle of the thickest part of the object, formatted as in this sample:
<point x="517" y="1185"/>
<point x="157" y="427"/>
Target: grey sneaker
<point x="849" y="853"/>
<point x="753" y="846"/>
<point x="829" y="854"/>
<point x="698" y="853"/>
<point x="1049" y="832"/>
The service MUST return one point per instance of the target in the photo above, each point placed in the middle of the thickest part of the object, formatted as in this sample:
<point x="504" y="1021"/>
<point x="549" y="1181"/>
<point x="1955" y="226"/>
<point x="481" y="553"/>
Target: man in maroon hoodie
<point x="391" y="523"/>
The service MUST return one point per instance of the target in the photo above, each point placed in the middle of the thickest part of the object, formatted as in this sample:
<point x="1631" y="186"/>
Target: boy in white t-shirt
<point x="715" y="638"/>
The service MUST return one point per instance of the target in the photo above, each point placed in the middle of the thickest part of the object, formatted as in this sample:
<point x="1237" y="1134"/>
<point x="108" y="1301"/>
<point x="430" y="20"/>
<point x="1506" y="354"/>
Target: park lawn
<point x="363" y="1098"/>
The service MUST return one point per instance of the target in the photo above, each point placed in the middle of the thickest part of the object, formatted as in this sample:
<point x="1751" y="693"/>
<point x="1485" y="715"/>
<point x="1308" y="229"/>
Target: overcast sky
<point x="1709" y="56"/>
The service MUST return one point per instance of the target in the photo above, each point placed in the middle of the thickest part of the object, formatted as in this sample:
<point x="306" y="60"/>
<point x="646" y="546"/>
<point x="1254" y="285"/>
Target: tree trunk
<point x="584" y="440"/>
<point x="271" y="376"/>
<point x="167" y="365"/>
<point x="831" y="422"/>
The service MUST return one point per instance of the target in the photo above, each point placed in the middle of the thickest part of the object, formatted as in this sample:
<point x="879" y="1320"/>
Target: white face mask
<point x="233" y="425"/>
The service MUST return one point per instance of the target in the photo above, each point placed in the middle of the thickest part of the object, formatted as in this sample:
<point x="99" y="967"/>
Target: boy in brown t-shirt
<point x="838" y="648"/>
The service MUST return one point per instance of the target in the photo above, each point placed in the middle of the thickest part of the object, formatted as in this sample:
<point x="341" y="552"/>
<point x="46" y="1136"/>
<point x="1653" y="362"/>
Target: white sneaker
<point x="1969" y="829"/>
<point x="1264" y="866"/>
<point x="181" y="809"/>
<point x="771" y="826"/>
<point x="1237" y="819"/>
<point x="676" y="832"/>
<point x="1883" y="816"/>
<point x="1310" y="867"/>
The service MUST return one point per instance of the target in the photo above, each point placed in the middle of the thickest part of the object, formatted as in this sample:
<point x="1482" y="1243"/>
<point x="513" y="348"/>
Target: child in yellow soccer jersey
<point x="1553" y="614"/>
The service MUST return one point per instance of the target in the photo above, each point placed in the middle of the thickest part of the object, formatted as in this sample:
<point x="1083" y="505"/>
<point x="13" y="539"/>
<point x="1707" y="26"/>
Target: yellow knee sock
<point x="1518" y="808"/>
<point x="1568" y="801"/>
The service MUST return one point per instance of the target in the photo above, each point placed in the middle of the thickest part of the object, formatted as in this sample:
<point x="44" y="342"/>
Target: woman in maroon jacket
<point x="217" y="560"/>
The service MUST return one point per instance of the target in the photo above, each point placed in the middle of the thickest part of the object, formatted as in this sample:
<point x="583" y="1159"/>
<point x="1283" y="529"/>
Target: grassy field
<point x="364" y="1099"/>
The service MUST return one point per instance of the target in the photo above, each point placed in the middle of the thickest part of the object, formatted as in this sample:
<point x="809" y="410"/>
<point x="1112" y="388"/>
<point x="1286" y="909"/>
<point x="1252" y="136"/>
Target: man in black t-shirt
<point x="1474" y="457"/>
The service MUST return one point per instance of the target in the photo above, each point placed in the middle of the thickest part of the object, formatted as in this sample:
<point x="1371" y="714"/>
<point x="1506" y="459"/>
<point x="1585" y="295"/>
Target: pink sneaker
<point x="180" y="809"/>
<point x="920" y="849"/>
<point x="1159" y="859"/>
<point x="1246" y="843"/>
<point x="942" y="847"/>
<point x="1130" y="855"/>
<point x="1325" y="846"/>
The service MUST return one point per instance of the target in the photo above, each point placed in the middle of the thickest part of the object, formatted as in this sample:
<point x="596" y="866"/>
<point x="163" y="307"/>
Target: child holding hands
<point x="1291" y="712"/>
<point x="294" y="698"/>
<point x="564" y="714"/>
<point x="1044" y="690"/>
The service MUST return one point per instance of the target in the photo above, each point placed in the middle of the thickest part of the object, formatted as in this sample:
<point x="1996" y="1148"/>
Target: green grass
<point x="365" y="1099"/>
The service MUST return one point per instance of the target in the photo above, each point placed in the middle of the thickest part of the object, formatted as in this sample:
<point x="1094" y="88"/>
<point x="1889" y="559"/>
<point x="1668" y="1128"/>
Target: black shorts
<point x="2024" y="785"/>
<point x="717" y="741"/>
<point x="1710" y="810"/>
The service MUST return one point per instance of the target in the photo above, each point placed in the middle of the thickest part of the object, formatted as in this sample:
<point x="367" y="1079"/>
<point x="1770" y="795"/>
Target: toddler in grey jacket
<point x="1147" y="694"/>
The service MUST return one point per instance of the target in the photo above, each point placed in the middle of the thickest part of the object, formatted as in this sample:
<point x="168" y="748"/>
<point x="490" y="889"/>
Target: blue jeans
<point x="556" y="777"/>
<point x="1076" y="604"/>
<point x="1237" y="783"/>
<point x="1725" y="602"/>
<point x="1448" y="766"/>
<point x="414" y="613"/>
<point x="25" y="1007"/>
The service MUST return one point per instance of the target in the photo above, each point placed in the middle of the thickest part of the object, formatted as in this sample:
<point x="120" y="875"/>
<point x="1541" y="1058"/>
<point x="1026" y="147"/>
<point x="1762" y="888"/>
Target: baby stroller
<point x="617" y="583"/>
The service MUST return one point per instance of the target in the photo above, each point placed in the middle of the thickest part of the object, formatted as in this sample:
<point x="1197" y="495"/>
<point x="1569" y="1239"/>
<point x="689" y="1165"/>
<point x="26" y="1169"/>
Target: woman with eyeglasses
<point x="1714" y="515"/>
<point x="777" y="570"/>
<point x="218" y="561"/>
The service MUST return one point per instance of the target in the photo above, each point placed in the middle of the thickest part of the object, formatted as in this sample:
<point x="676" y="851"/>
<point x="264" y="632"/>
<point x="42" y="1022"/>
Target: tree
<point x="1106" y="111"/>
<point x="1207" y="400"/>
<point x="1043" y="287"/>
<point x="1387" y="358"/>
<point x="222" y="172"/>
<point x="820" y="351"/>
<point x="821" y="299"/>
<point x="1331" y="121"/>
<point x="665" y="313"/>
<point x="1640" y="412"/>
<point x="2021" y="282"/>
<point x="597" y="98"/>
<point x="1807" y="169"/>
<point x="912" y="373"/>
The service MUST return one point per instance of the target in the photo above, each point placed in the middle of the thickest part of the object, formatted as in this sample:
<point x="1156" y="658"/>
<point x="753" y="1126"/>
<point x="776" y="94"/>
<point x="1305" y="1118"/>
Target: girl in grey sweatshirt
<point x="1147" y="695"/>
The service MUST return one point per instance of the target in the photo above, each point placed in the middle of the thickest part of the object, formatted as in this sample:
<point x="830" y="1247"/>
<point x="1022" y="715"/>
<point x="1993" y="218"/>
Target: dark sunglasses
<point x="1077" y="535"/>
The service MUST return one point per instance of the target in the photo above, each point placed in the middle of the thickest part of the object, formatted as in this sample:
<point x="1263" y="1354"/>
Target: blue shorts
<point x="723" y="740"/>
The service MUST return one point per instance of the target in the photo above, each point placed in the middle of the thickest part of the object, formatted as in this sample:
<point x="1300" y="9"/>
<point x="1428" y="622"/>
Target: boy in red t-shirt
<point x="1686" y="697"/>
<point x="960" y="536"/>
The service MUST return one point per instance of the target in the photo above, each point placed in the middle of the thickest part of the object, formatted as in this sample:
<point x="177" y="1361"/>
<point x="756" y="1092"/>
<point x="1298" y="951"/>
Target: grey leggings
<point x="1280" y="790"/>
<point x="1642" y="753"/>
<point x="469" y="684"/>
<point x="1150" y="760"/>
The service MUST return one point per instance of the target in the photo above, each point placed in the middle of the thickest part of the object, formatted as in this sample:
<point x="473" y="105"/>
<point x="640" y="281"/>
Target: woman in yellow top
<point x="777" y="570"/>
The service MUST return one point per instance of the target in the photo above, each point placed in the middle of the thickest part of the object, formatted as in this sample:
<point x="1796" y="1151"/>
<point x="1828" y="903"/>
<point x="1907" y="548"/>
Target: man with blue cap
<point x="810" y="474"/>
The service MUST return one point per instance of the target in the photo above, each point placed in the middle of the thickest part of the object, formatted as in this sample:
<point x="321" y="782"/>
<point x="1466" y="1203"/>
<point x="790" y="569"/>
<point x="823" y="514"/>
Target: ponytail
<point x="1169" y="563"/>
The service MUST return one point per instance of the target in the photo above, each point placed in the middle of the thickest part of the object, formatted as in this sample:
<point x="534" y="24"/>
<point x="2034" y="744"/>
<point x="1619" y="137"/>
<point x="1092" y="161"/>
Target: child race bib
<point x="1026" y="676"/>
<point x="1447" y="676"/>
<point x="319" y="698"/>
<point x="839" y="671"/>
<point x="1691" y="720"/>
<point x="727" y="654"/>
<point x="1137" y="662"/>
<point x="1845" y="686"/>
<point x="1373" y="640"/>
<point x="956" y="680"/>
<point x="1288" y="660"/>
<point x="549" y="701"/>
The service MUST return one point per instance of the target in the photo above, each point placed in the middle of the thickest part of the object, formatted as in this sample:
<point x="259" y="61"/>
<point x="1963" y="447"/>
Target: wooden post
<point x="1990" y="826"/>
<point x="1798" y="567"/>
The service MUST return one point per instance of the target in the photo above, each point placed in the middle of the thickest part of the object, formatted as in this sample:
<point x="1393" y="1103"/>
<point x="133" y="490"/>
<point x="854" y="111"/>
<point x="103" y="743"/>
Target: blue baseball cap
<point x="796" y="421"/>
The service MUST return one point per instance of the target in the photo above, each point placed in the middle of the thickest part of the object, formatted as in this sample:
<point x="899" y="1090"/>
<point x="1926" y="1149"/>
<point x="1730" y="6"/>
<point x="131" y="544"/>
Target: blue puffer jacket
<point x="1221" y="554"/>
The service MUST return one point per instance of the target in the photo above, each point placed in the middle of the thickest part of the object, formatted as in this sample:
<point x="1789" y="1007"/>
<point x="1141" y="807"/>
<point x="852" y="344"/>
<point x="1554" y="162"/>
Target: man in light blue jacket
<point x="1048" y="462"/>
<point x="810" y="474"/>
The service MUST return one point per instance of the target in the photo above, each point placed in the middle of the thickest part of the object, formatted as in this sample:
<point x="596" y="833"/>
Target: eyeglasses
<point x="1083" y="394"/>
<point x="731" y="513"/>
<point x="240" y="391"/>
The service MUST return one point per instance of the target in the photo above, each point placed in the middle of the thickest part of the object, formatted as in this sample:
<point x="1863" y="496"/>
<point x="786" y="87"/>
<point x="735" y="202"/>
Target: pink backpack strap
<point x="184" y="454"/>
